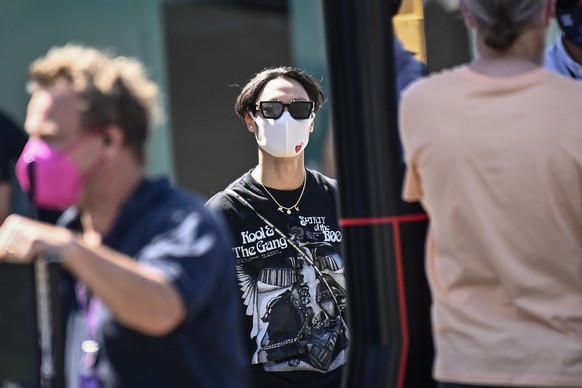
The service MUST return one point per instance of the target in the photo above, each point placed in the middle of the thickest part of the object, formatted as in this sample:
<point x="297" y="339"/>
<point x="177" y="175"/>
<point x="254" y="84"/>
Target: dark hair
<point x="246" y="100"/>
<point x="503" y="20"/>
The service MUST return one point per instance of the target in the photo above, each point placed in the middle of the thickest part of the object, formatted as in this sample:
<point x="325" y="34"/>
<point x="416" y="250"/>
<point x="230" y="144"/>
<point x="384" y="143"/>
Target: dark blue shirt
<point x="171" y="230"/>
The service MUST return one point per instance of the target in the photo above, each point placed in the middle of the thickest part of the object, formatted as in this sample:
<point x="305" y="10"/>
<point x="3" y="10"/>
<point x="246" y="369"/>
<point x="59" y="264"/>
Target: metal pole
<point x="376" y="222"/>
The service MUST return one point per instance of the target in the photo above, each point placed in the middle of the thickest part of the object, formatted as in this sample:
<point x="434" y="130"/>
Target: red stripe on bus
<point x="382" y="220"/>
<point x="400" y="279"/>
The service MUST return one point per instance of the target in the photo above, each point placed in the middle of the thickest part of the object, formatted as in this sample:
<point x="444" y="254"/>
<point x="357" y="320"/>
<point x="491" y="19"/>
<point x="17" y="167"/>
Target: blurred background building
<point x="201" y="52"/>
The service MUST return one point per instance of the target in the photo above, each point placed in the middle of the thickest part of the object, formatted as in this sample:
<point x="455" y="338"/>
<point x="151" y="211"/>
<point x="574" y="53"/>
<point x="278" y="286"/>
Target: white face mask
<point x="285" y="136"/>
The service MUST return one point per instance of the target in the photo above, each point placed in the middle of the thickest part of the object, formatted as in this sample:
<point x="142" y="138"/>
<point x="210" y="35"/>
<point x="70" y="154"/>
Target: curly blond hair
<point x="112" y="89"/>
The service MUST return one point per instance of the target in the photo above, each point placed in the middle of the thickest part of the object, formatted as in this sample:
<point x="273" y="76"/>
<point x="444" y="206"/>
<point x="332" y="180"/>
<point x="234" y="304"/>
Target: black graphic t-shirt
<point x="294" y="304"/>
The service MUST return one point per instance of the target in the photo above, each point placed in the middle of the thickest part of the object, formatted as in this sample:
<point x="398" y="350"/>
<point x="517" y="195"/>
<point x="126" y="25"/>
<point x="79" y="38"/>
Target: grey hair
<point x="503" y="20"/>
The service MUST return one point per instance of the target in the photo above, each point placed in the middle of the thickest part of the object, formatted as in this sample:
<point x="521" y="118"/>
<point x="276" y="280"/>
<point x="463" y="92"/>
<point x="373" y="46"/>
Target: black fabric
<point x="289" y="309"/>
<point x="566" y="4"/>
<point x="19" y="339"/>
<point x="12" y="140"/>
<point x="303" y="379"/>
<point x="174" y="232"/>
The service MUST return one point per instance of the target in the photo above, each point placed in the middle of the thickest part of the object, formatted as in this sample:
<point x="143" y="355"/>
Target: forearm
<point x="138" y="296"/>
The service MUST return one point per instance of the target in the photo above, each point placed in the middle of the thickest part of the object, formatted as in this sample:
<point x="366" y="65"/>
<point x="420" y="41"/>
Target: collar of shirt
<point x="573" y="67"/>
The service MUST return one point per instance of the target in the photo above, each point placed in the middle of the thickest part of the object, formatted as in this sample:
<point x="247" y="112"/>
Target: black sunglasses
<point x="298" y="109"/>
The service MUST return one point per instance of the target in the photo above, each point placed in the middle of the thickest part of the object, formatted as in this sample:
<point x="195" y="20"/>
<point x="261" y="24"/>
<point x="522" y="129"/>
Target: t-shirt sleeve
<point x="228" y="208"/>
<point x="195" y="255"/>
<point x="412" y="189"/>
<point x="412" y="186"/>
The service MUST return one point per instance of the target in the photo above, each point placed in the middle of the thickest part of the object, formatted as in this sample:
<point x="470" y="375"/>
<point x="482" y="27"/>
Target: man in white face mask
<point x="284" y="135"/>
<point x="287" y="239"/>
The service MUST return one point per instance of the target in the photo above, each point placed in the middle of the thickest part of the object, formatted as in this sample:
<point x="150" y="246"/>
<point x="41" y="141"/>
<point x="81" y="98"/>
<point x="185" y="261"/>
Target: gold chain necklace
<point x="286" y="209"/>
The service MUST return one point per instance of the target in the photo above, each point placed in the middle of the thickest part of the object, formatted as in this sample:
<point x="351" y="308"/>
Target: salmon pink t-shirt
<point x="497" y="164"/>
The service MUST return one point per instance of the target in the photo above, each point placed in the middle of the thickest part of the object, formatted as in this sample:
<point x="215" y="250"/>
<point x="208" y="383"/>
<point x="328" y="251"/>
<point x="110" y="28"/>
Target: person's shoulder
<point x="162" y="198"/>
<point x="323" y="181"/>
<point x="562" y="84"/>
<point x="183" y="205"/>
<point x="439" y="80"/>
<point x="8" y="125"/>
<point x="440" y="77"/>
<point x="11" y="133"/>
<point x="179" y="214"/>
<point x="220" y="201"/>
<point x="223" y="200"/>
<point x="321" y="178"/>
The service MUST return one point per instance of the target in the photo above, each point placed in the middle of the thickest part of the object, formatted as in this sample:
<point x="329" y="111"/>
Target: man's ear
<point x="250" y="123"/>
<point x="113" y="136"/>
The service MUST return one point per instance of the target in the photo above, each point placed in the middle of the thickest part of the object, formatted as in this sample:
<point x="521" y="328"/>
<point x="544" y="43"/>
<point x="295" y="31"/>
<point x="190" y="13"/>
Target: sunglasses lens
<point x="300" y="110"/>
<point x="271" y="109"/>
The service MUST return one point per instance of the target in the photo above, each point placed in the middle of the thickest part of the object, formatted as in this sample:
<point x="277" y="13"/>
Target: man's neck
<point x="106" y="196"/>
<point x="280" y="173"/>
<point x="524" y="55"/>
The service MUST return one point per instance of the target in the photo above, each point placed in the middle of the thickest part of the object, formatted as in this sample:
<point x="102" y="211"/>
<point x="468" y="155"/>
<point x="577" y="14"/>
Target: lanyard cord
<point x="298" y="249"/>
<point x="47" y="367"/>
<point x="43" y="298"/>
<point x="88" y="304"/>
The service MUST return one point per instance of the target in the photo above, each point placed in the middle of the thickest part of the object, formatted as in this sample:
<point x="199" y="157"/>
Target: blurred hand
<point x="23" y="239"/>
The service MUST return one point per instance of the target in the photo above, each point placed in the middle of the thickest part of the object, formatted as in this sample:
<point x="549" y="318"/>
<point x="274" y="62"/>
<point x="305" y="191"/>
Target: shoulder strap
<point x="291" y="242"/>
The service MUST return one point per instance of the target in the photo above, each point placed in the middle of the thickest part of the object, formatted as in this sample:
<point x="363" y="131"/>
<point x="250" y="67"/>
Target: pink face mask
<point x="57" y="180"/>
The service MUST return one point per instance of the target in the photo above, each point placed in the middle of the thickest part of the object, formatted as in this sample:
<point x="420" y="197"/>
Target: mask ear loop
<point x="97" y="166"/>
<point x="257" y="128"/>
<point x="30" y="173"/>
